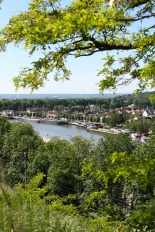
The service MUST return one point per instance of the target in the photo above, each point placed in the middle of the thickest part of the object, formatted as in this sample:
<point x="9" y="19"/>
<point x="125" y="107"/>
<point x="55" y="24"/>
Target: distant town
<point x="114" y="114"/>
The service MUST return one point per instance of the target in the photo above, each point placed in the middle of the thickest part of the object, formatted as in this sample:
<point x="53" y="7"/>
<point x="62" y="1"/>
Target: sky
<point x="84" y="77"/>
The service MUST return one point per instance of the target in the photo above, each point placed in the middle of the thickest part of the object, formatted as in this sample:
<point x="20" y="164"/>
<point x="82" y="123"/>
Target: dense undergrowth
<point x="27" y="210"/>
<point x="75" y="186"/>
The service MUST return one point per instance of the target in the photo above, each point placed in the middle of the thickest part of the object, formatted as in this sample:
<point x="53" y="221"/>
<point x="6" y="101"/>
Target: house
<point x="51" y="114"/>
<point x="94" y="108"/>
<point x="7" y="113"/>
<point x="149" y="113"/>
<point x="137" y="112"/>
<point x="124" y="112"/>
<point x="33" y="110"/>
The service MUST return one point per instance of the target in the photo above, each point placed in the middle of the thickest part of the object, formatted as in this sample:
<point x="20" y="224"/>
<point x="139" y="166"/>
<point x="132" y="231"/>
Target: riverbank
<point x="103" y="131"/>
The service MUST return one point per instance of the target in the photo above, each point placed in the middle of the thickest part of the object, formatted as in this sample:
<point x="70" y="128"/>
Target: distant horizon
<point x="58" y="96"/>
<point x="63" y="93"/>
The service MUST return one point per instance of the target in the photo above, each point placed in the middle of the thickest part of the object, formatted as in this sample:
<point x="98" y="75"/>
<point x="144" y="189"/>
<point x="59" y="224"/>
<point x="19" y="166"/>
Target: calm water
<point x="65" y="132"/>
<point x="59" y="96"/>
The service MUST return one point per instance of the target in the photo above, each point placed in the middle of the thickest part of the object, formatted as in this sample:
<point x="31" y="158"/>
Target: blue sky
<point x="84" y="77"/>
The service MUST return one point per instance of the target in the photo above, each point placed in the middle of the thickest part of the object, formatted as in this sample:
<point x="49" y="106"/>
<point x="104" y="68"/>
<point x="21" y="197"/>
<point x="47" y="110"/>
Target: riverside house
<point x="7" y="113"/>
<point x="33" y="111"/>
<point x="51" y="114"/>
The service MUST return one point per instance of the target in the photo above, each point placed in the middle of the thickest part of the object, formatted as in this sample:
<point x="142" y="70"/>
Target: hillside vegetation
<point x="77" y="185"/>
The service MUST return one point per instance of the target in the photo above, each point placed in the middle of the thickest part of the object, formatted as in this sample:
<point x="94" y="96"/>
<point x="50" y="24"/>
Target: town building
<point x="94" y="108"/>
<point x="7" y="113"/>
<point x="148" y="113"/>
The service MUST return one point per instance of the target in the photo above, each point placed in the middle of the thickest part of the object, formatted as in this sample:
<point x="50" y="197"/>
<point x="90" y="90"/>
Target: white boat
<point x="92" y="126"/>
<point x="73" y="123"/>
<point x="128" y="131"/>
<point x="136" y="137"/>
<point x="19" y="118"/>
<point x="116" y="130"/>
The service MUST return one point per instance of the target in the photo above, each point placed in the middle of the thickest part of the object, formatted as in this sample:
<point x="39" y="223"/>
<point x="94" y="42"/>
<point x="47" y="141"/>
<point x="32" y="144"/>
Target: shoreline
<point x="66" y="122"/>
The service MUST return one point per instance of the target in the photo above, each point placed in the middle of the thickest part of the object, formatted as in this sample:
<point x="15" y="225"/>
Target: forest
<point x="77" y="185"/>
<point x="142" y="100"/>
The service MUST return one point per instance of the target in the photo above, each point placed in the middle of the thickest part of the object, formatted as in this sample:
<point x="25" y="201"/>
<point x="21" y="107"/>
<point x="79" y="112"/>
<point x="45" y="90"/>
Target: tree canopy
<point x="122" y="30"/>
<point x="111" y="184"/>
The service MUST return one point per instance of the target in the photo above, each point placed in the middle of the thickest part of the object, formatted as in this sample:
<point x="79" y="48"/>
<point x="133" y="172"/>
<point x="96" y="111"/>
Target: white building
<point x="148" y="113"/>
<point x="94" y="108"/>
<point x="7" y="112"/>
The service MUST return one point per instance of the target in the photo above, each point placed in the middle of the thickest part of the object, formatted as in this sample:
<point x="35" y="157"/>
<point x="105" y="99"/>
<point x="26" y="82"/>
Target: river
<point x="63" y="131"/>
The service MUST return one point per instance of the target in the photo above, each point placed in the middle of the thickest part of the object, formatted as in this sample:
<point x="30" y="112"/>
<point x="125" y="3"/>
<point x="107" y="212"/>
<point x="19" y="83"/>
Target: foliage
<point x="143" y="100"/>
<point x="25" y="210"/>
<point x="123" y="187"/>
<point x="109" y="186"/>
<point x="52" y="104"/>
<point x="60" y="173"/>
<point x="64" y="173"/>
<point x="115" y="119"/>
<point x="82" y="29"/>
<point x="61" y="161"/>
<point x="140" y="126"/>
<point x="19" y="141"/>
<point x="100" y="196"/>
<point x="4" y="128"/>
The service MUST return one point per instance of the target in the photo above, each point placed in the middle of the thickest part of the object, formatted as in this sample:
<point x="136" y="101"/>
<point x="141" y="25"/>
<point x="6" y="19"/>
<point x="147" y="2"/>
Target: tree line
<point x="142" y="101"/>
<point x="52" y="104"/>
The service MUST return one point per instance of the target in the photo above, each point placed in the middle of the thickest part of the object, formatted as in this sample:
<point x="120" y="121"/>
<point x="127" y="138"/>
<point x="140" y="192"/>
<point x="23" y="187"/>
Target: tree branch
<point x="102" y="46"/>
<point x="139" y="3"/>
<point x="134" y="20"/>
